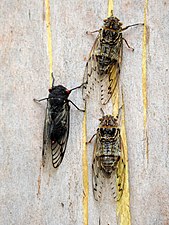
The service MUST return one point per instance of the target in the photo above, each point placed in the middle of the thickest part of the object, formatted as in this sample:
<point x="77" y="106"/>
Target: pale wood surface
<point x="50" y="197"/>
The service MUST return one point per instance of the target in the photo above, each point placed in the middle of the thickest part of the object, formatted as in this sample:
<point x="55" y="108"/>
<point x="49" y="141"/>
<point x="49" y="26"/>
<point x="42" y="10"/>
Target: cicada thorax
<point x="58" y="96"/>
<point x="107" y="52"/>
<point x="110" y="149"/>
<point x="109" y="36"/>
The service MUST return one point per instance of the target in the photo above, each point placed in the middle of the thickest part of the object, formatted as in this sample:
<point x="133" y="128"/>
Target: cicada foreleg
<point x="78" y="86"/>
<point x="125" y="28"/>
<point x="133" y="25"/>
<point x="91" y="32"/>
<point x="39" y="100"/>
<point x="128" y="44"/>
<point x="82" y="110"/>
<point x="88" y="142"/>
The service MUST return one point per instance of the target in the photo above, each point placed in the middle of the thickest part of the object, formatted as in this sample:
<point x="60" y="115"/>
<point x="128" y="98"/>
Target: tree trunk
<point x="38" y="37"/>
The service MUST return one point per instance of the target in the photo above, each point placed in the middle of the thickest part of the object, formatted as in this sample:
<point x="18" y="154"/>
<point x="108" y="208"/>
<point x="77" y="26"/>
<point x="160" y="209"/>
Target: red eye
<point x="68" y="91"/>
<point x="50" y="89"/>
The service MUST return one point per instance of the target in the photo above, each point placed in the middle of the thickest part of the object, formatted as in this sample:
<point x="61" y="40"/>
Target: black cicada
<point x="105" y="59"/>
<point x="56" y="127"/>
<point x="107" y="156"/>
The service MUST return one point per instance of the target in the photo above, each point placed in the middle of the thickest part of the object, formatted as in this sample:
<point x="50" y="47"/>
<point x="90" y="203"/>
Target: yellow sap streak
<point x="123" y="206"/>
<point x="85" y="174"/>
<point x="144" y="77"/>
<point x="110" y="7"/>
<point x="49" y="37"/>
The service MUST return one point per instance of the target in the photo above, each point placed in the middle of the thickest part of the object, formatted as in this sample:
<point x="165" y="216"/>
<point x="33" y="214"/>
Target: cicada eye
<point x="116" y="18"/>
<point x="50" y="89"/>
<point x="68" y="91"/>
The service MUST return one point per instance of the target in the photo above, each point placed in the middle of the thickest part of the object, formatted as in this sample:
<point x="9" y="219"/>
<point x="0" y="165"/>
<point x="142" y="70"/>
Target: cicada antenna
<point x="111" y="15"/>
<point x="111" y="12"/>
<point x="102" y="111"/>
<point x="53" y="80"/>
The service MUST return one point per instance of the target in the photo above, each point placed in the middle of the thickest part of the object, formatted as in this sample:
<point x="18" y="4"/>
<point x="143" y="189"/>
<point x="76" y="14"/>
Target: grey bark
<point x="54" y="197"/>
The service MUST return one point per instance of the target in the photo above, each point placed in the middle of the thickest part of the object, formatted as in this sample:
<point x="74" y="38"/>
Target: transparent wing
<point x="91" y="72"/>
<point x="60" y="125"/>
<point x="97" y="174"/>
<point x="109" y="81"/>
<point x="46" y="134"/>
<point x="120" y="175"/>
<point x="94" y="74"/>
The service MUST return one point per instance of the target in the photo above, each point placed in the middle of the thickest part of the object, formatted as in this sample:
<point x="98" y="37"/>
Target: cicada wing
<point x="109" y="82"/>
<point x="58" y="148"/>
<point x="91" y="76"/>
<point x="108" y="85"/>
<point x="46" y="133"/>
<point x="97" y="175"/>
<point x="120" y="174"/>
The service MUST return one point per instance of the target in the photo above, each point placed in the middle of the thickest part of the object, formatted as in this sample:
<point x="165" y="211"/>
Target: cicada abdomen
<point x="104" y="62"/>
<point x="107" y="155"/>
<point x="56" y="125"/>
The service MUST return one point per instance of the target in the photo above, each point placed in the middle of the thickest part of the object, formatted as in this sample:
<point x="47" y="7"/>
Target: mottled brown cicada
<point x="104" y="62"/>
<point x="107" y="160"/>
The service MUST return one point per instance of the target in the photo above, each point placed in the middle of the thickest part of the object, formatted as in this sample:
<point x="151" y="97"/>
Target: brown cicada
<point x="107" y="160"/>
<point x="104" y="63"/>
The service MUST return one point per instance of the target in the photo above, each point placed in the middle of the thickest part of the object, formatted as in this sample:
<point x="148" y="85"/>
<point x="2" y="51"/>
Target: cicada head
<point x="113" y="23"/>
<point x="60" y="91"/>
<point x="108" y="121"/>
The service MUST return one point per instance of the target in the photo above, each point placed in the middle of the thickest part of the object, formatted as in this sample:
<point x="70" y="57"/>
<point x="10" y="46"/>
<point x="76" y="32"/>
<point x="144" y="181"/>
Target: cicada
<point x="107" y="157"/>
<point x="104" y="62"/>
<point x="56" y="125"/>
